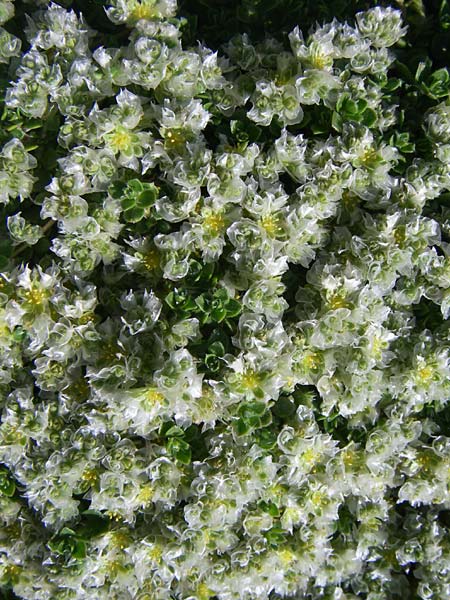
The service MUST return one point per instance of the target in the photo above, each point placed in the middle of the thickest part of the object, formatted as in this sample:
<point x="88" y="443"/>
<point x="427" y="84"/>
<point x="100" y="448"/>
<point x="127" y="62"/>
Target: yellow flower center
<point x="153" y="397"/>
<point x="144" y="11"/>
<point x="4" y="329"/>
<point x="425" y="374"/>
<point x="155" y="553"/>
<point x="12" y="571"/>
<point x="318" y="60"/>
<point x="109" y="352"/>
<point x="349" y="458"/>
<point x="250" y="379"/>
<point x="12" y="435"/>
<point x="174" y="137"/>
<point x="312" y="361"/>
<point x="203" y="592"/>
<point x="368" y="156"/>
<point x="145" y="495"/>
<point x="90" y="475"/>
<point x="317" y="498"/>
<point x="426" y="463"/>
<point x="286" y="556"/>
<point x="36" y="296"/>
<point x="377" y="348"/>
<point x="120" y="140"/>
<point x="151" y="260"/>
<point x="120" y="539"/>
<point x="349" y="200"/>
<point x="337" y="301"/>
<point x="114" y="515"/>
<point x="399" y="235"/>
<point x="310" y="456"/>
<point x="114" y="567"/>
<point x="214" y="223"/>
<point x="271" y="223"/>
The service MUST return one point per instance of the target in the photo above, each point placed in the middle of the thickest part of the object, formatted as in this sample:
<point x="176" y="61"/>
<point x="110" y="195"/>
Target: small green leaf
<point x="242" y="427"/>
<point x="116" y="189"/>
<point x="266" y="439"/>
<point x="134" y="215"/>
<point x="369" y="117"/>
<point x="284" y="408"/>
<point x="337" y="121"/>
<point x="128" y="202"/>
<point x="7" y="486"/>
<point x="252" y="409"/>
<point x="276" y="536"/>
<point x="175" y="431"/>
<point x="392" y="84"/>
<point x="179" y="449"/>
<point x="148" y="196"/>
<point x="79" y="549"/>
<point x="233" y="308"/>
<point x="217" y="349"/>
<point x="270" y="508"/>
<point x="212" y="363"/>
<point x="218" y="314"/>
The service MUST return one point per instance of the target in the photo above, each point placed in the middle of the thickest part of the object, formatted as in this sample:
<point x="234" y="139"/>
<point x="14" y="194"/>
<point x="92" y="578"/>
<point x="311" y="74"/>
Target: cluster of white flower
<point x="227" y="374"/>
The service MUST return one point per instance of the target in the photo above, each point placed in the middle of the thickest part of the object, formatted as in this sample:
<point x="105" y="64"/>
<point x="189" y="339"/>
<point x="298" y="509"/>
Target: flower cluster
<point x="225" y="281"/>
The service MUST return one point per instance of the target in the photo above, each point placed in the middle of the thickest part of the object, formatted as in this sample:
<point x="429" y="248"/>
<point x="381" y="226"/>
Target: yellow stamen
<point x="120" y="140"/>
<point x="155" y="553"/>
<point x="36" y="296"/>
<point x="147" y="10"/>
<point x="151" y="260"/>
<point x="425" y="374"/>
<point x="337" y="301"/>
<point x="250" y="379"/>
<point x="312" y="361"/>
<point x="145" y="495"/>
<point x="214" y="223"/>
<point x="90" y="476"/>
<point x="153" y="397"/>
<point x="309" y="456"/>
<point x="271" y="223"/>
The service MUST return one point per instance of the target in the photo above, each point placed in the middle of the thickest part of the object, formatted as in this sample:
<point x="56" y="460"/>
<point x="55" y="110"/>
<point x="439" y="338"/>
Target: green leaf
<point x="179" y="449"/>
<point x="284" y="408"/>
<point x="233" y="308"/>
<point x="392" y="84"/>
<point x="369" y="117"/>
<point x="242" y="427"/>
<point x="202" y="302"/>
<point x="217" y="349"/>
<point x="212" y="363"/>
<point x="218" y="314"/>
<point x="270" y="508"/>
<point x="128" y="202"/>
<point x="175" y="431"/>
<point x="439" y="83"/>
<point x="276" y="536"/>
<point x="266" y="438"/>
<point x="148" y="196"/>
<point x="79" y="549"/>
<point x="337" y="121"/>
<point x="134" y="215"/>
<point x="252" y="409"/>
<point x="7" y="486"/>
<point x="116" y="189"/>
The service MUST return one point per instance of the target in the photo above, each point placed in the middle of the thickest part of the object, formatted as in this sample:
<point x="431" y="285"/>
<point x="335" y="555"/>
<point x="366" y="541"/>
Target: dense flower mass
<point x="224" y="293"/>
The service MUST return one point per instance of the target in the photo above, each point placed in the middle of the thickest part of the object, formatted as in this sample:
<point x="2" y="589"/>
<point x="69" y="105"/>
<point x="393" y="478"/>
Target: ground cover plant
<point x="224" y="300"/>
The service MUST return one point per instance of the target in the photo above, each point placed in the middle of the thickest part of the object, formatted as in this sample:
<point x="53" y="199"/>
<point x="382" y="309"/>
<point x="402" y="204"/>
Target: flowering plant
<point x="224" y="300"/>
